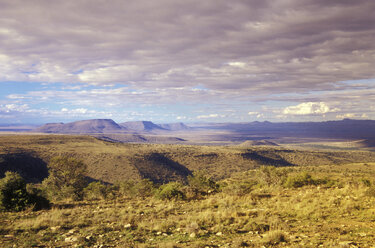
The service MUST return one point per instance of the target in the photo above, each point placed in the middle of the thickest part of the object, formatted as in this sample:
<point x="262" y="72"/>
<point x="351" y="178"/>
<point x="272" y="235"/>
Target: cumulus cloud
<point x="309" y="108"/>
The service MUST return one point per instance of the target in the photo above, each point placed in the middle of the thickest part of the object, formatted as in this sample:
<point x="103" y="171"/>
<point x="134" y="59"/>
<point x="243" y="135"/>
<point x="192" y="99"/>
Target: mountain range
<point x="233" y="132"/>
<point x="108" y="126"/>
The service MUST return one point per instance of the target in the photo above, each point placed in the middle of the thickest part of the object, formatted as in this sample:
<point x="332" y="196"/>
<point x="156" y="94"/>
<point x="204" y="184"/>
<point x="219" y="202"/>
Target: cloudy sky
<point x="189" y="61"/>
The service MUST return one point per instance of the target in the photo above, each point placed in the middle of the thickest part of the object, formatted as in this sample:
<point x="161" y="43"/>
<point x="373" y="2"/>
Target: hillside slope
<point x="111" y="162"/>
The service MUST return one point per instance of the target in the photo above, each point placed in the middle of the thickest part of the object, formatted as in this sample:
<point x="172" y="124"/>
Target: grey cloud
<point x="285" y="45"/>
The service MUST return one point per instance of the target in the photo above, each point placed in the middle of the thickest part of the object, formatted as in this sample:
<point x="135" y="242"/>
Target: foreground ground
<point x="337" y="213"/>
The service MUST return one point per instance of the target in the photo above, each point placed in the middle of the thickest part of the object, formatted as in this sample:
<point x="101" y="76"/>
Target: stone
<point x="71" y="239"/>
<point x="192" y="235"/>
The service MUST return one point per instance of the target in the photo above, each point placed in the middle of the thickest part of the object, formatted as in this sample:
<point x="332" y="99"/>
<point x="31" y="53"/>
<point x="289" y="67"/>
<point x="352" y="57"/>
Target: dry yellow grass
<point x="322" y="215"/>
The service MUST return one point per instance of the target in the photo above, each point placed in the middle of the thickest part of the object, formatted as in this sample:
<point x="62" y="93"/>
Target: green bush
<point x="38" y="197"/>
<point x="170" y="191"/>
<point x="270" y="175"/>
<point x="131" y="188"/>
<point x="200" y="185"/>
<point x="15" y="197"/>
<point x="241" y="188"/>
<point x="95" y="191"/>
<point x="299" y="180"/>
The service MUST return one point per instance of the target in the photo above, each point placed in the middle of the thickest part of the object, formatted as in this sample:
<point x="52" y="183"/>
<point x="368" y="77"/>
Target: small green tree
<point x="15" y="197"/>
<point x="66" y="178"/>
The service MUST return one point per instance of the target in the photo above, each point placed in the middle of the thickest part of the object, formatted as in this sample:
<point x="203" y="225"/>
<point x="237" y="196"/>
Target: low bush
<point x="95" y="191"/>
<point x="130" y="188"/>
<point x="170" y="191"/>
<point x="201" y="185"/>
<point x="270" y="175"/>
<point x="240" y="188"/>
<point x="299" y="180"/>
<point x="370" y="191"/>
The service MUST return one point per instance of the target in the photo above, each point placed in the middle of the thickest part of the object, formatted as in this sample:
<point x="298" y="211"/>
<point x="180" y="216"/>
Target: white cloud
<point x="237" y="64"/>
<point x="256" y="114"/>
<point x="9" y="108"/>
<point x="309" y="108"/>
<point x="77" y="111"/>
<point x="210" y="116"/>
<point x="253" y="113"/>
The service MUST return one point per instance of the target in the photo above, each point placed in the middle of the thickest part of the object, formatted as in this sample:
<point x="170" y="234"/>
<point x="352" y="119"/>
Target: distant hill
<point x="366" y="143"/>
<point x="175" y="126"/>
<point x="85" y="126"/>
<point x="343" y="129"/>
<point x="141" y="126"/>
<point x="257" y="143"/>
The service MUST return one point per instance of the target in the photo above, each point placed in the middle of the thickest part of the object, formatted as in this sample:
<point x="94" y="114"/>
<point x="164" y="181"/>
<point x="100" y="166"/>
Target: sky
<point x="186" y="61"/>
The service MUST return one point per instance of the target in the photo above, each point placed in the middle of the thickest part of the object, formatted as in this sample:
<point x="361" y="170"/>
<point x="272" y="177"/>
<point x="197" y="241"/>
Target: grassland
<point x="254" y="208"/>
<point x="337" y="214"/>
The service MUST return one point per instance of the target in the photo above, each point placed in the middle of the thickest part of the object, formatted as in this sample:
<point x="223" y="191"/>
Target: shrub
<point x="66" y="178"/>
<point x="15" y="197"/>
<point x="299" y="180"/>
<point x="270" y="175"/>
<point x="370" y="191"/>
<point x="200" y="185"/>
<point x="95" y="191"/>
<point x="240" y="188"/>
<point x="170" y="191"/>
<point x="38" y="197"/>
<point x="366" y="182"/>
<point x="131" y="188"/>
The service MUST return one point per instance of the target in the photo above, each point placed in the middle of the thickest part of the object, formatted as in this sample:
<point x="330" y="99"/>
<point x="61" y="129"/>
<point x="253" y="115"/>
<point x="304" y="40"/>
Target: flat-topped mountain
<point x="141" y="126"/>
<point x="108" y="126"/>
<point x="85" y="126"/>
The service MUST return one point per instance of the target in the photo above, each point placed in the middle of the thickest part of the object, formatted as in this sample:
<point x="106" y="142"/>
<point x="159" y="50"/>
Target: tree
<point x="66" y="178"/>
